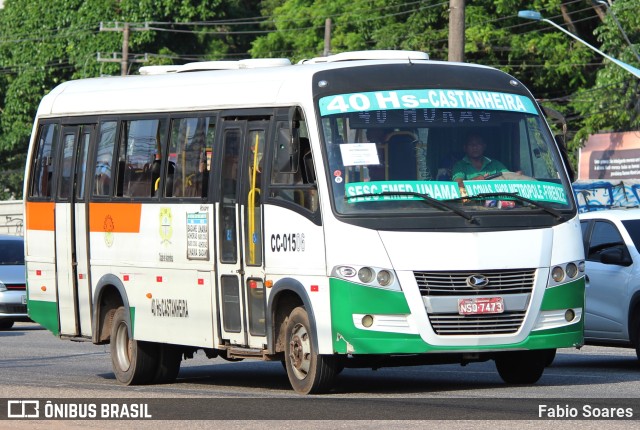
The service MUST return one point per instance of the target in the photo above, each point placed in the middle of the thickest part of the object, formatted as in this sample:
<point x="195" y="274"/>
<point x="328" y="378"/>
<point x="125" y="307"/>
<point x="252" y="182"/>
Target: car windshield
<point x="444" y="144"/>
<point x="633" y="228"/>
<point x="11" y="252"/>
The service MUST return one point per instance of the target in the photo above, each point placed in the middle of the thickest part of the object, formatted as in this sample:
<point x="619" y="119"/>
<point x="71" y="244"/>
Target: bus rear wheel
<point x="522" y="367"/>
<point x="169" y="359"/>
<point x="308" y="371"/>
<point x="134" y="362"/>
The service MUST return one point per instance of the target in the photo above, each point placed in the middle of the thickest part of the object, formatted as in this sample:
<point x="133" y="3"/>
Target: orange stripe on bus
<point x="115" y="217"/>
<point x="40" y="216"/>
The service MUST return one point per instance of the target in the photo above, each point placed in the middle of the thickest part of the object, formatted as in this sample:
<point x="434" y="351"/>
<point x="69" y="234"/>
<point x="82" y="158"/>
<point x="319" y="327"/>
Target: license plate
<point x="24" y="299"/>
<point x="480" y="306"/>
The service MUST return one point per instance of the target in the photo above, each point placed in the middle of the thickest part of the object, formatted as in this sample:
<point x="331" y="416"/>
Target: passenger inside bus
<point x="475" y="165"/>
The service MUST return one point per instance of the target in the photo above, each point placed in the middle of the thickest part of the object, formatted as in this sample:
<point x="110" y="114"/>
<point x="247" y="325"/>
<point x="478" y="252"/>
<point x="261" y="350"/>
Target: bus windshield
<point x="477" y="150"/>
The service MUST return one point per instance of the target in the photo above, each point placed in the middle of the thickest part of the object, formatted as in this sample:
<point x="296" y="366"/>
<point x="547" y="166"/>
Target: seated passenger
<point x="474" y="165"/>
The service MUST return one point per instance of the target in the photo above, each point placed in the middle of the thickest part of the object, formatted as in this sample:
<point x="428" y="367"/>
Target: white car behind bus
<point x="611" y="239"/>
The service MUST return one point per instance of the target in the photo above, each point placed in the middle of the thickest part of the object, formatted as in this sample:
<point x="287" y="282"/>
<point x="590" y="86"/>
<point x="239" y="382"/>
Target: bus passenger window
<point x="189" y="157"/>
<point x="43" y="161"/>
<point x="104" y="158"/>
<point x="141" y="146"/>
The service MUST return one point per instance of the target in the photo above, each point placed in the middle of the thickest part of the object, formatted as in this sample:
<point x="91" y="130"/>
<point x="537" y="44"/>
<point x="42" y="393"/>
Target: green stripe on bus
<point x="348" y="298"/>
<point x="569" y="295"/>
<point x="132" y="318"/>
<point x="45" y="314"/>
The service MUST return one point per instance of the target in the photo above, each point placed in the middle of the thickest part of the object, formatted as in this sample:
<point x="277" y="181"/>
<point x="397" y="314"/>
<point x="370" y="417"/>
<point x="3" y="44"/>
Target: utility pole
<point x="456" y="30"/>
<point x="327" y="37"/>
<point x="125" y="29"/>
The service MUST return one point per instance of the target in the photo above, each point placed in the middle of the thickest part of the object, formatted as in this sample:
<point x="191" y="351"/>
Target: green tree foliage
<point x="613" y="103"/>
<point x="46" y="42"/>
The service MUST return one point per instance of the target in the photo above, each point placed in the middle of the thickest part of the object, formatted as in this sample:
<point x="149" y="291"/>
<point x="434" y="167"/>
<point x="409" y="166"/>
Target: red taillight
<point x="15" y="286"/>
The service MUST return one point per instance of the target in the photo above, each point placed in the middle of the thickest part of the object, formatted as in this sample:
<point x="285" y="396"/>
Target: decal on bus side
<point x="175" y="308"/>
<point x="287" y="242"/>
<point x="198" y="236"/>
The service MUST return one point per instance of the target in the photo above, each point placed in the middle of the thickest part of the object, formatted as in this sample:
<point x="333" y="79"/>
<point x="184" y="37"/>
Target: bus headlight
<point x="369" y="276"/>
<point x="384" y="278"/>
<point x="566" y="272"/>
<point x="346" y="271"/>
<point x="365" y="274"/>
<point x="572" y="270"/>
<point x="557" y="274"/>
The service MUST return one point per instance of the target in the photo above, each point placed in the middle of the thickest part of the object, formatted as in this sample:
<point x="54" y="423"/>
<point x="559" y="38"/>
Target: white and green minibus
<point x="310" y="213"/>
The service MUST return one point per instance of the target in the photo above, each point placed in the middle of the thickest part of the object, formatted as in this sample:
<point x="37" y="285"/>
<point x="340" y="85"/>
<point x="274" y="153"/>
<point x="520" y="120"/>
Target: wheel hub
<point x="300" y="351"/>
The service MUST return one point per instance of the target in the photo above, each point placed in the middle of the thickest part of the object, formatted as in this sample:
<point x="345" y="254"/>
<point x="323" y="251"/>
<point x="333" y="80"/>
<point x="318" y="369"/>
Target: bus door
<point x="240" y="265"/>
<point x="74" y="295"/>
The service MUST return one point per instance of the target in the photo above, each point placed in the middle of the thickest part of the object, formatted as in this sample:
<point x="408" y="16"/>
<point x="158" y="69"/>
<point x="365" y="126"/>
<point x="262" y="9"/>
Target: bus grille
<point x="454" y="324"/>
<point x="454" y="284"/>
<point x="501" y="282"/>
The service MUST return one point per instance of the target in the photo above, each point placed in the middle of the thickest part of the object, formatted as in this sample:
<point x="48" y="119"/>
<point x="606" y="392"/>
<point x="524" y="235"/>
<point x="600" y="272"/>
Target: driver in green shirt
<point x="474" y="165"/>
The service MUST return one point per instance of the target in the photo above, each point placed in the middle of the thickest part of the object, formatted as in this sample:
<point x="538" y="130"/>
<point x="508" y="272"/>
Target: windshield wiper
<point x="515" y="196"/>
<point x="425" y="198"/>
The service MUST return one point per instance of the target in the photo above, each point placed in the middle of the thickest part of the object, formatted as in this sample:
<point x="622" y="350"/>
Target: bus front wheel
<point x="308" y="371"/>
<point x="134" y="362"/>
<point x="522" y="367"/>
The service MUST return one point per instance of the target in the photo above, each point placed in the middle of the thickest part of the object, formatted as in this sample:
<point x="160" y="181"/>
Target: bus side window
<point x="293" y="185"/>
<point x="190" y="157"/>
<point x="141" y="145"/>
<point x="43" y="161"/>
<point x="102" y="178"/>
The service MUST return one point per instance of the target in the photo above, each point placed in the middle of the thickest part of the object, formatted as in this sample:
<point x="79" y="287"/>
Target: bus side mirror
<point x="295" y="116"/>
<point x="564" y="153"/>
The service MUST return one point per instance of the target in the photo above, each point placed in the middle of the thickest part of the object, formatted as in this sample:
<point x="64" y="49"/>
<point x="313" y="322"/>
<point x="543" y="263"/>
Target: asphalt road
<point x="252" y="394"/>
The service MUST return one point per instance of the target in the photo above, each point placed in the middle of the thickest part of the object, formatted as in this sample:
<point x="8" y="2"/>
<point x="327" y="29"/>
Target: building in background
<point x="609" y="172"/>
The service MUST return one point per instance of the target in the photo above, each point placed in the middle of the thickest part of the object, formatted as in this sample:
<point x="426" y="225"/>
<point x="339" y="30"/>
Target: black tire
<point x="6" y="324"/>
<point x="169" y="359"/>
<point x="308" y="372"/>
<point x="634" y="331"/>
<point x="134" y="362"/>
<point x="550" y="358"/>
<point x="522" y="367"/>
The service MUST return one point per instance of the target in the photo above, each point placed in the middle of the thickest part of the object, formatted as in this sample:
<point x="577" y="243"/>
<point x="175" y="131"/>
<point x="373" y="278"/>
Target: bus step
<point x="75" y="338"/>
<point x="245" y="352"/>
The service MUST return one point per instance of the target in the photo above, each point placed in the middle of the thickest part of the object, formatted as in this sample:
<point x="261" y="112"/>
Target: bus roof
<point x="209" y="85"/>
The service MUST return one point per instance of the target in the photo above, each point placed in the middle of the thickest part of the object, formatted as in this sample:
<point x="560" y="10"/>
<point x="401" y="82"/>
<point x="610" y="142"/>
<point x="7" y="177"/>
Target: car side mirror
<point x="617" y="255"/>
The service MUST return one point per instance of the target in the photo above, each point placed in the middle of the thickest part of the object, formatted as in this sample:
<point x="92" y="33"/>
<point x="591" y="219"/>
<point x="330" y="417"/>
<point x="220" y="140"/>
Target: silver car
<point x="612" y="308"/>
<point x="13" y="294"/>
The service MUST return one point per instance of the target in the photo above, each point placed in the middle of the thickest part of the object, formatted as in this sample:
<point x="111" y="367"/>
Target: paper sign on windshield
<point x="359" y="154"/>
